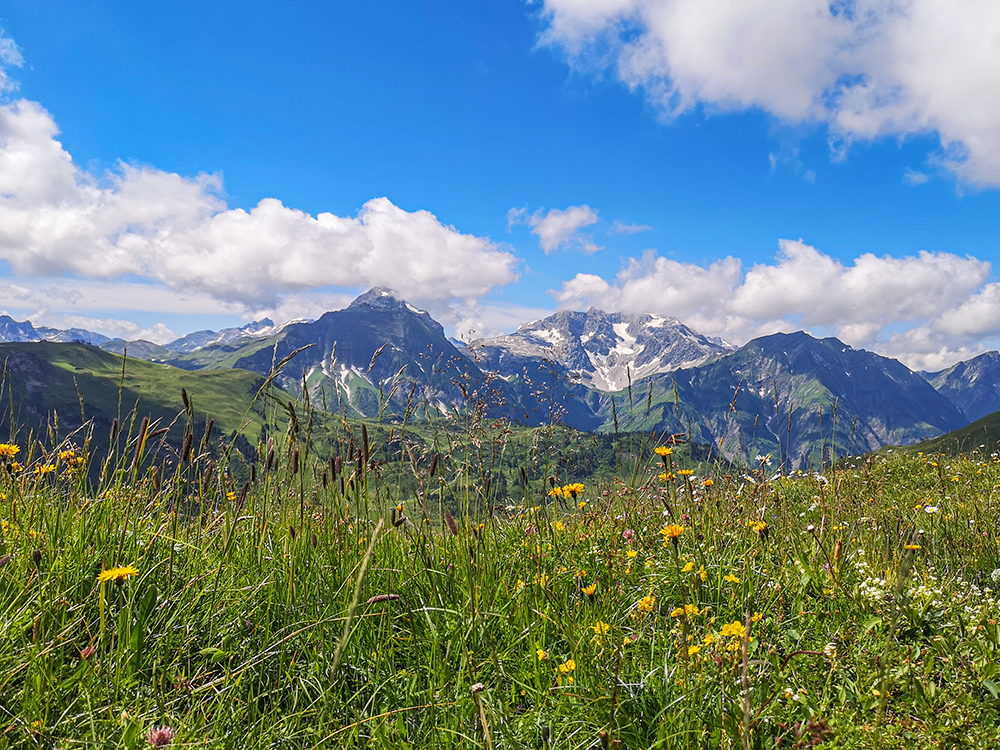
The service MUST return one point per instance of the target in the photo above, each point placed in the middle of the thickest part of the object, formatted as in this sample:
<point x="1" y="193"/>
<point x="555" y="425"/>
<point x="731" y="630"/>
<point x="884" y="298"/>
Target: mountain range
<point x="799" y="398"/>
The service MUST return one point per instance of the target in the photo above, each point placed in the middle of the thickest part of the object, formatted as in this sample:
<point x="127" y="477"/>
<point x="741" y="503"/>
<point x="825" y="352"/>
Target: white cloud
<point x="558" y="228"/>
<point x="914" y="178"/>
<point x="925" y="309"/>
<point x="868" y="68"/>
<point x="620" y="227"/>
<point x="137" y="221"/>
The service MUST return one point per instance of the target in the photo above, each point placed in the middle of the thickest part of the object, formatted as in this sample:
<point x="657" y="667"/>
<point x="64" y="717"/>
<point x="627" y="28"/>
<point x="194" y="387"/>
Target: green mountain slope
<point x="44" y="381"/>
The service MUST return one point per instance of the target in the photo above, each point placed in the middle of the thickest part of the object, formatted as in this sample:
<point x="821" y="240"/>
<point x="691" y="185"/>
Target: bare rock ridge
<point x="604" y="350"/>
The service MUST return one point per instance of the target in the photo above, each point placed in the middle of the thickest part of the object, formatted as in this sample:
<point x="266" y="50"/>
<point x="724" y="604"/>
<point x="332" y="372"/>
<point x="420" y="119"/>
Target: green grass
<point x="296" y="611"/>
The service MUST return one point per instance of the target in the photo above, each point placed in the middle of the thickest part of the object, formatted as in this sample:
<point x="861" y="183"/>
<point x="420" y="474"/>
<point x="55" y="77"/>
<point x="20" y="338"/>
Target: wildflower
<point x="8" y="450"/>
<point x="830" y="650"/>
<point x="566" y="669"/>
<point x="702" y="573"/>
<point x="708" y="483"/>
<point x="685" y="472"/>
<point x="573" y="489"/>
<point x="757" y="526"/>
<point x="117" y="574"/>
<point x="692" y="650"/>
<point x="542" y="654"/>
<point x="931" y="509"/>
<point x="912" y="546"/>
<point x="671" y="532"/>
<point x="542" y="580"/>
<point x="667" y="477"/>
<point x="559" y="526"/>
<point x="735" y="629"/>
<point x="646" y="604"/>
<point x="628" y="535"/>
<point x="556" y="492"/>
<point x="664" y="451"/>
<point x="590" y="590"/>
<point x="731" y="579"/>
<point x="600" y="627"/>
<point x="688" y="568"/>
<point x="582" y="504"/>
<point x="160" y="736"/>
<point x="44" y="469"/>
<point x="632" y="554"/>
<point x="688" y="610"/>
<point x="757" y="616"/>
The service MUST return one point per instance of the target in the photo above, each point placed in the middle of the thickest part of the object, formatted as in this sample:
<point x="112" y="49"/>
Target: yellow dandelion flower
<point x="117" y="574"/>
<point x="912" y="546"/>
<point x="685" y="472"/>
<point x="589" y="590"/>
<point x="632" y="554"/>
<point x="8" y="450"/>
<point x="688" y="568"/>
<point x="664" y="451"/>
<point x="672" y="531"/>
<point x="558" y="525"/>
<point x="692" y="650"/>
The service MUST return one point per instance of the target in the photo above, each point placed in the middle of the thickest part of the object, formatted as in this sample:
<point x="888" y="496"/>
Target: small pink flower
<point x="629" y="535"/>
<point x="160" y="736"/>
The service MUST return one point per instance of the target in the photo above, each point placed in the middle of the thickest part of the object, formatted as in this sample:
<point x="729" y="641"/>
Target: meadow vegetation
<point x="302" y="598"/>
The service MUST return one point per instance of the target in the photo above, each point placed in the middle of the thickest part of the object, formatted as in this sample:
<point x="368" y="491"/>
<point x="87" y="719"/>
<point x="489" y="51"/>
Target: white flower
<point x="931" y="509"/>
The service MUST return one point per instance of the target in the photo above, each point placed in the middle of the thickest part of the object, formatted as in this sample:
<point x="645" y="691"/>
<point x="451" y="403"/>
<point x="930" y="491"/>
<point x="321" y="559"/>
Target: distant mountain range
<point x="796" y="397"/>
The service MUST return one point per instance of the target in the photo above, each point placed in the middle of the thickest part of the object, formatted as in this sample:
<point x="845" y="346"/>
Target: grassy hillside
<point x="72" y="383"/>
<point x="981" y="436"/>
<point x="317" y="607"/>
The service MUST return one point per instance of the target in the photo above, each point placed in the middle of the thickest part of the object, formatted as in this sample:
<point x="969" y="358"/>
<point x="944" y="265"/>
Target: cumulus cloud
<point x="928" y="309"/>
<point x="868" y="68"/>
<point x="135" y="221"/>
<point x="558" y="228"/>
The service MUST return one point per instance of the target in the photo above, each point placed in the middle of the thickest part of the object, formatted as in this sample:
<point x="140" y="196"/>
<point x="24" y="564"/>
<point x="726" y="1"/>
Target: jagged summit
<point x="607" y="350"/>
<point x="384" y="299"/>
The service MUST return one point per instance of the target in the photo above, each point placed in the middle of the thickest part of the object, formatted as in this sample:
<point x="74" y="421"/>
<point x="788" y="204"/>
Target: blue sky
<point x="716" y="144"/>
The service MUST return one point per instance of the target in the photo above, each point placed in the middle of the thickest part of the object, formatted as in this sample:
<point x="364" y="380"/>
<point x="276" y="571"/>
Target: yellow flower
<point x="692" y="650"/>
<point x="731" y="579"/>
<point x="542" y="654"/>
<point x="573" y="489"/>
<point x="556" y="492"/>
<point x="589" y="590"/>
<point x="734" y="629"/>
<point x="702" y="573"/>
<point x="667" y="477"/>
<point x="688" y="568"/>
<point x="582" y="504"/>
<point x="672" y="531"/>
<point x="685" y="472"/>
<point x="632" y="554"/>
<point x="688" y="610"/>
<point x="567" y="666"/>
<point x="708" y="483"/>
<point x="664" y="451"/>
<point x="756" y="617"/>
<point x="559" y="526"/>
<point x="44" y="469"/>
<point x="117" y="574"/>
<point x="8" y="450"/>
<point x="601" y="628"/>
<point x="646" y="604"/>
<point x="542" y="579"/>
<point x="913" y="546"/>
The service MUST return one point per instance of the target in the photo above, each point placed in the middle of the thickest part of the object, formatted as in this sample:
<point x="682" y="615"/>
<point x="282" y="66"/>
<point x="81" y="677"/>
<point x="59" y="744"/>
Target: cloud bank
<point x="141" y="222"/>
<point x="867" y="68"/>
<point x="929" y="310"/>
